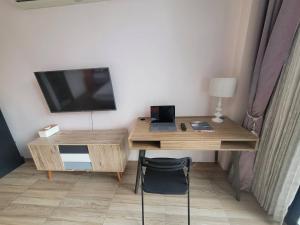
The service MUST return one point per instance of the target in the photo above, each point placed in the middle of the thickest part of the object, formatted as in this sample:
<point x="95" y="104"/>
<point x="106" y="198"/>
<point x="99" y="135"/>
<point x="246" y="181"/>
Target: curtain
<point x="281" y="22"/>
<point x="277" y="166"/>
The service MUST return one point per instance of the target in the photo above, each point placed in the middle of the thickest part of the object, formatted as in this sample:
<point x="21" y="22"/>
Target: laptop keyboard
<point x="163" y="127"/>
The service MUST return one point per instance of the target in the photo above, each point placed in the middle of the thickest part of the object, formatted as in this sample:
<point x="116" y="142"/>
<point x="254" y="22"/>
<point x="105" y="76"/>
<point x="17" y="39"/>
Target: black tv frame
<point x="48" y="101"/>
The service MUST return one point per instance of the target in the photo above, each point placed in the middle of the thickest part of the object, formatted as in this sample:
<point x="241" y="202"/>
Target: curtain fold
<point x="277" y="165"/>
<point x="281" y="22"/>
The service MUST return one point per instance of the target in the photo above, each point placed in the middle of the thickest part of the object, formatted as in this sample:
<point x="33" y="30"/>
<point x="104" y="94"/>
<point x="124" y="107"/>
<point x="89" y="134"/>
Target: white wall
<point x="158" y="51"/>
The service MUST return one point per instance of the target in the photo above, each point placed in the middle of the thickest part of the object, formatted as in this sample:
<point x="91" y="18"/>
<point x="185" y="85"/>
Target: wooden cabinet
<point x="98" y="151"/>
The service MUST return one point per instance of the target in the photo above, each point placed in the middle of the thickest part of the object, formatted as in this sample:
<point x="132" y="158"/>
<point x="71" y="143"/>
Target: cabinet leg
<point x="119" y="176"/>
<point x="50" y="175"/>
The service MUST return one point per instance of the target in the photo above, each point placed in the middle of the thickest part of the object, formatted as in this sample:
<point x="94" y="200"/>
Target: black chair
<point x="165" y="176"/>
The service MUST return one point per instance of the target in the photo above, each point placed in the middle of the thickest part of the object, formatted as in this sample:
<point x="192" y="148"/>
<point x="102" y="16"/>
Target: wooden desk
<point x="227" y="136"/>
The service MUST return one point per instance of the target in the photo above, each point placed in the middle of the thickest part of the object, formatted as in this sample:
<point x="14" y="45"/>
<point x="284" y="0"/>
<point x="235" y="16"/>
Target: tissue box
<point x="49" y="130"/>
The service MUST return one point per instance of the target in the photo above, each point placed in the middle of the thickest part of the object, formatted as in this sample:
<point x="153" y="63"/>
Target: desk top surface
<point x="228" y="130"/>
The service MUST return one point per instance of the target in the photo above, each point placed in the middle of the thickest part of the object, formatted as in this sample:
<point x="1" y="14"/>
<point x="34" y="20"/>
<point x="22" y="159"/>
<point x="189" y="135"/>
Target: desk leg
<point x="138" y="172"/>
<point x="236" y="174"/>
<point x="216" y="156"/>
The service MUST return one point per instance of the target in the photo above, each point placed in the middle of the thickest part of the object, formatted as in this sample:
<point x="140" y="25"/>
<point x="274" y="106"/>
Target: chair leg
<point x="189" y="215"/>
<point x="138" y="171"/>
<point x="142" y="193"/>
<point x="141" y="177"/>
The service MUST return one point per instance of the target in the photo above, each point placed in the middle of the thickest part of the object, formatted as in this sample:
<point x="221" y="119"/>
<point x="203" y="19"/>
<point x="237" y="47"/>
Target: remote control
<point x="183" y="127"/>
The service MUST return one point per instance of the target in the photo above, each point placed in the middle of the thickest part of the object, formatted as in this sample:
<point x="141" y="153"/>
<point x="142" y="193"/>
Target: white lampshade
<point x="223" y="87"/>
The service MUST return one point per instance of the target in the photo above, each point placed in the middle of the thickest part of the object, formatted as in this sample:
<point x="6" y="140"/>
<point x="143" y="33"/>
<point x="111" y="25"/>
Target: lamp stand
<point x="218" y="114"/>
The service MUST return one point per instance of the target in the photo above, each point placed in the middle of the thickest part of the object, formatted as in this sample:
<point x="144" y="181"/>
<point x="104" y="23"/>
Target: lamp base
<point x="217" y="120"/>
<point x="218" y="115"/>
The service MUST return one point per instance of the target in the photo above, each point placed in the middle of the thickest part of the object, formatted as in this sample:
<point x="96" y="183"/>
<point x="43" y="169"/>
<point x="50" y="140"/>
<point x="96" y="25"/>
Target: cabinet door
<point x="46" y="157"/>
<point x="105" y="158"/>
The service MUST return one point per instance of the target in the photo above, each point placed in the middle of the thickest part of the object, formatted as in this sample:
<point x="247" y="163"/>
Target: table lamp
<point x="221" y="87"/>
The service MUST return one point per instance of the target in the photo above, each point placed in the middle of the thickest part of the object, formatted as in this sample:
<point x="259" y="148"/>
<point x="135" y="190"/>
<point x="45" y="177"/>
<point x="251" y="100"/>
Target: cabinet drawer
<point x="205" y="145"/>
<point x="78" y="166"/>
<point x="75" y="157"/>
<point x="73" y="149"/>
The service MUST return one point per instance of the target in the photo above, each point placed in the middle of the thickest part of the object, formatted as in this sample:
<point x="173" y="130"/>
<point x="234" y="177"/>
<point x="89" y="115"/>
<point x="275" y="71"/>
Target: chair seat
<point x="159" y="182"/>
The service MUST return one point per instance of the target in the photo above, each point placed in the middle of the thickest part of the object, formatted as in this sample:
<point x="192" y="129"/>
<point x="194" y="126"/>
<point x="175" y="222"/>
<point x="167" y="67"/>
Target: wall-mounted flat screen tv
<point x="77" y="90"/>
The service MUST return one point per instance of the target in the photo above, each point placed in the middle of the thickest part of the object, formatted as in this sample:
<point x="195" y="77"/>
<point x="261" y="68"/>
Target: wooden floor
<point x="28" y="198"/>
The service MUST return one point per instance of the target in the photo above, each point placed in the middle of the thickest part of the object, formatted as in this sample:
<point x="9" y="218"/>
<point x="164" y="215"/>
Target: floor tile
<point x="77" y="198"/>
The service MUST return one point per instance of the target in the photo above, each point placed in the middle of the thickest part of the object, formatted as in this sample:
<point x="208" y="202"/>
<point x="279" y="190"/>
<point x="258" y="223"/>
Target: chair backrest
<point x="166" y="164"/>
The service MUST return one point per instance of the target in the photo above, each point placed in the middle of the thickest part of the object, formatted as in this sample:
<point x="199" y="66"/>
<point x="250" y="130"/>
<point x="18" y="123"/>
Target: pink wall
<point x="159" y="52"/>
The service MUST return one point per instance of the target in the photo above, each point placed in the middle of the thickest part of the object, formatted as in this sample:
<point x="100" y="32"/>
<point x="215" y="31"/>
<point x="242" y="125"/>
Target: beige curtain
<point x="277" y="165"/>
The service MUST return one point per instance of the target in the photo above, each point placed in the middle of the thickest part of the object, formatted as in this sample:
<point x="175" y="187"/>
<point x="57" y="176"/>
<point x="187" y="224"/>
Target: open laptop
<point x="163" y="118"/>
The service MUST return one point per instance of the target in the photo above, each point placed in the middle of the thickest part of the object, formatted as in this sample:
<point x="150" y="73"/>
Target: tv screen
<point x="77" y="90"/>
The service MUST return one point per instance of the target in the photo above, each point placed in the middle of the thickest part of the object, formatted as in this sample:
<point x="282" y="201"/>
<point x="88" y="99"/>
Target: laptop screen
<point x="163" y="114"/>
